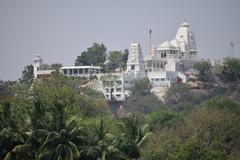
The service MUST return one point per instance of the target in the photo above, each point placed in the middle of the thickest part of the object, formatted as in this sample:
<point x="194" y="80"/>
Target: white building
<point x="135" y="66"/>
<point x="166" y="64"/>
<point x="80" y="71"/>
<point x="37" y="67"/>
<point x="172" y="58"/>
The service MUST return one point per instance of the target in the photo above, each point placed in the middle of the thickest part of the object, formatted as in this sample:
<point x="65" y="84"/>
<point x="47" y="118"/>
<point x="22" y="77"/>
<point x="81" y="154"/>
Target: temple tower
<point x="37" y="62"/>
<point x="135" y="63"/>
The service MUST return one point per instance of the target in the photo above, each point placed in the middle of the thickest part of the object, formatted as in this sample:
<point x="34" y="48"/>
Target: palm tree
<point x="28" y="149"/>
<point x="102" y="145"/>
<point x="133" y="136"/>
<point x="60" y="145"/>
<point x="8" y="140"/>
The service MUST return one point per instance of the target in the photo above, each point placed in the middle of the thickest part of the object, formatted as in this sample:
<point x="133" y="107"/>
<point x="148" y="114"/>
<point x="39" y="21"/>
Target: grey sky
<point x="61" y="29"/>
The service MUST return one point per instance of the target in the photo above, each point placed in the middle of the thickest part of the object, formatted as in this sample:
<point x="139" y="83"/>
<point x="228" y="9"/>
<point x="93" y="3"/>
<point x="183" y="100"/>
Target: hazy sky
<point x="61" y="29"/>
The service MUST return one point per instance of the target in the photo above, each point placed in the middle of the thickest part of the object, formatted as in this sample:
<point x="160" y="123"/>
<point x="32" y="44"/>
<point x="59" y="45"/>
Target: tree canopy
<point x="95" y="55"/>
<point x="27" y="74"/>
<point x="116" y="59"/>
<point x="231" y="70"/>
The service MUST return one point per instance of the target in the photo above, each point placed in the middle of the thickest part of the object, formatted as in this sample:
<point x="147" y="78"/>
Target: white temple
<point x="172" y="58"/>
<point x="163" y="66"/>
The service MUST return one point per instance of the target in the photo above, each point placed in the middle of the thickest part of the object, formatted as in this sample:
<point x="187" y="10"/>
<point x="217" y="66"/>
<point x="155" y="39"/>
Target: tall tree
<point x="95" y="55"/>
<point x="116" y="59"/>
<point x="27" y="74"/>
<point x="60" y="145"/>
<point x="134" y="136"/>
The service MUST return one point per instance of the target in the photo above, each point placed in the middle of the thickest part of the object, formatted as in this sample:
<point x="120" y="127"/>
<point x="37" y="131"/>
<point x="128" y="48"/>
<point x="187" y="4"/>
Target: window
<point x="162" y="79"/>
<point x="118" y="95"/>
<point x="107" y="90"/>
<point x="126" y="81"/>
<point x="69" y="71"/>
<point x="157" y="79"/>
<point x="118" y="89"/>
<point x="80" y="71"/>
<point x="86" y="71"/>
<point x="132" y="67"/>
<point x="65" y="71"/>
<point x="75" y="71"/>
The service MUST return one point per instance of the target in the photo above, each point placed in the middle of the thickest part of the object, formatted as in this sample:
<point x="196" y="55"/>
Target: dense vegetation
<point x="60" y="118"/>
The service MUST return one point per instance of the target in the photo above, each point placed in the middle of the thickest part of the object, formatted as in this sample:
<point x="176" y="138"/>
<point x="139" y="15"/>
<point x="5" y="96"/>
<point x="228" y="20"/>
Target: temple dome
<point x="169" y="45"/>
<point x="175" y="43"/>
<point x="184" y="34"/>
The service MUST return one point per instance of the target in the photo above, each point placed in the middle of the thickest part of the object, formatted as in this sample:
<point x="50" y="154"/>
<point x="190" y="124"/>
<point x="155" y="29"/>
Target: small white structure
<point x="117" y="90"/>
<point x="37" y="64"/>
<point x="80" y="71"/>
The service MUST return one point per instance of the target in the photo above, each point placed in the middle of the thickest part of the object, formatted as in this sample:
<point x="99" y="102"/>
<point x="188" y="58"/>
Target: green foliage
<point x="56" y="118"/>
<point x="95" y="55"/>
<point x="161" y="119"/>
<point x="8" y="140"/>
<point x="59" y="145"/>
<point x="116" y="59"/>
<point x="56" y="67"/>
<point x="230" y="70"/>
<point x="13" y="115"/>
<point x="134" y="136"/>
<point x="181" y="97"/>
<point x="141" y="87"/>
<point x="5" y="89"/>
<point x="202" y="134"/>
<point x="143" y="103"/>
<point x="204" y="70"/>
<point x="222" y="103"/>
<point x="27" y="75"/>
<point x="195" y="150"/>
<point x="142" y="100"/>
